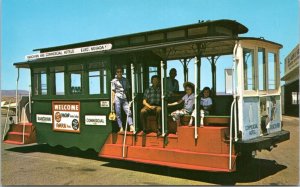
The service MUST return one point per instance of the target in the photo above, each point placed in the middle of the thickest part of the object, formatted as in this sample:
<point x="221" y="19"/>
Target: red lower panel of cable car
<point x="209" y="152"/>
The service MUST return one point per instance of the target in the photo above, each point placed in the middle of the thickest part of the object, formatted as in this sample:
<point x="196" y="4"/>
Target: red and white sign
<point x="66" y="116"/>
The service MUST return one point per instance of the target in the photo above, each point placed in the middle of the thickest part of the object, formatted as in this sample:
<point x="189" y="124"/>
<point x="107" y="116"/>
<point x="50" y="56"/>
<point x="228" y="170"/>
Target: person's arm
<point x="145" y="103"/>
<point x="113" y="91"/>
<point x="175" y="103"/>
<point x="176" y="86"/>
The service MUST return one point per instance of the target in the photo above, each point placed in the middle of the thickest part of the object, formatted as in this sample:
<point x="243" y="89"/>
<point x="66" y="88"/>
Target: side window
<point x="58" y="80"/>
<point x="152" y="71"/>
<point x="40" y="81"/>
<point x="272" y="73"/>
<point x="261" y="69"/>
<point x="139" y="78"/>
<point x="97" y="79"/>
<point x="75" y="75"/>
<point x="249" y="73"/>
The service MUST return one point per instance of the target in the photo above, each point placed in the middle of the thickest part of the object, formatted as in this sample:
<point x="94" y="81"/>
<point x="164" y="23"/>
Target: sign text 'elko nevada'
<point x="79" y="50"/>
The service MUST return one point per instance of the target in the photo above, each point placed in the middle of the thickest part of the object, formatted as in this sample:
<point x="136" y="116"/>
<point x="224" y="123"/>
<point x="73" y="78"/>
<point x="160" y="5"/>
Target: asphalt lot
<point x="45" y="165"/>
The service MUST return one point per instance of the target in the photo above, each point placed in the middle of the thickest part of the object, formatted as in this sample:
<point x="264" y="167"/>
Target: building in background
<point x="290" y="89"/>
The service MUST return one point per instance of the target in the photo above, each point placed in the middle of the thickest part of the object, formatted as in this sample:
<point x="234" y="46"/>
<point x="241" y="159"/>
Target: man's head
<point x="155" y="80"/>
<point x="173" y="73"/>
<point x="119" y="72"/>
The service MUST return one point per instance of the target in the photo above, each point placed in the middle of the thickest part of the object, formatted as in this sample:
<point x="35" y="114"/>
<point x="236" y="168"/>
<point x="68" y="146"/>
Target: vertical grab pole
<point x="17" y="104"/>
<point x="162" y="70"/>
<point x="233" y="108"/>
<point x="196" y="96"/>
<point x="133" y="96"/>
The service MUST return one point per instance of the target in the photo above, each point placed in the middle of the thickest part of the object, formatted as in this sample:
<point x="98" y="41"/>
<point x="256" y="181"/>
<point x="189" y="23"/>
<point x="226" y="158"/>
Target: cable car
<point x="71" y="96"/>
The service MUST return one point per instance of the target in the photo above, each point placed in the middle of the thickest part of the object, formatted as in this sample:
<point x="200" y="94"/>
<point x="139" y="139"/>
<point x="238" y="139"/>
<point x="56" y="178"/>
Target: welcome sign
<point x="65" y="52"/>
<point x="66" y="116"/>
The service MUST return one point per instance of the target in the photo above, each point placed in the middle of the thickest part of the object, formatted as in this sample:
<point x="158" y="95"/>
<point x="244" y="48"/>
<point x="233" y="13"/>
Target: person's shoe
<point x="121" y="129"/>
<point x="158" y="132"/>
<point x="131" y="128"/>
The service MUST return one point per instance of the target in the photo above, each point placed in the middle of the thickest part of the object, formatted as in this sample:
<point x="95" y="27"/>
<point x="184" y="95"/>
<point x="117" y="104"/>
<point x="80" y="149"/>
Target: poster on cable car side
<point x="66" y="115"/>
<point x="270" y="113"/>
<point x="251" y="128"/>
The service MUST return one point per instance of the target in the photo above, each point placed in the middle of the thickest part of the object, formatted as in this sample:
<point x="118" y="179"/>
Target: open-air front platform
<point x="209" y="152"/>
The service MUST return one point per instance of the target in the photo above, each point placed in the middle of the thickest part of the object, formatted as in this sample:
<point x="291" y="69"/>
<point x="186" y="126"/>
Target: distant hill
<point x="12" y="93"/>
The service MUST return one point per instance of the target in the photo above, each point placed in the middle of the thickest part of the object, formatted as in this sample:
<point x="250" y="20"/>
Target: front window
<point x="261" y="69"/>
<point x="40" y="81"/>
<point x="249" y="73"/>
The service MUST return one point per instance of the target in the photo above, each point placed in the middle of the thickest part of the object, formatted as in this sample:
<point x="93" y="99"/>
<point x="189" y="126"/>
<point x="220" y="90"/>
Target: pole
<point x="133" y="97"/>
<point x="17" y="103"/>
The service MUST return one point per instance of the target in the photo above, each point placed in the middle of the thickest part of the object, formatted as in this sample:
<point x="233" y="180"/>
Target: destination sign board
<point x="80" y="50"/>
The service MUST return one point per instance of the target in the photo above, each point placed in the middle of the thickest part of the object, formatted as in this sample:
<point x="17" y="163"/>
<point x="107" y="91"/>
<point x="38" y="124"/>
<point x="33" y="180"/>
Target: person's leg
<point x="143" y="115"/>
<point x="180" y="113"/>
<point x="118" y="103"/>
<point x="127" y="110"/>
<point x="192" y="117"/>
<point x="158" y="116"/>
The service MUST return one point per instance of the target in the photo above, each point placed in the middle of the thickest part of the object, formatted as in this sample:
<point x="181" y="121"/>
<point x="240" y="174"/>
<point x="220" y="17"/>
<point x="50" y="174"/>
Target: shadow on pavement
<point x="256" y="170"/>
<point x="59" y="150"/>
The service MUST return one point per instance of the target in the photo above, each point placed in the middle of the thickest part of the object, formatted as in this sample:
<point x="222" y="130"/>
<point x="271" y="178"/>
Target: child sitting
<point x="188" y="99"/>
<point x="205" y="104"/>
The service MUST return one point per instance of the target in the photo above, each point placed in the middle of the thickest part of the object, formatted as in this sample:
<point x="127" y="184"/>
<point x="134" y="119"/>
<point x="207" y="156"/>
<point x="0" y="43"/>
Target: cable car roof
<point x="205" y="38"/>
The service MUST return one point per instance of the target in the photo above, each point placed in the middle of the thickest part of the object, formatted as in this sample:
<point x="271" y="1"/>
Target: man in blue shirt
<point x="171" y="83"/>
<point x="152" y="102"/>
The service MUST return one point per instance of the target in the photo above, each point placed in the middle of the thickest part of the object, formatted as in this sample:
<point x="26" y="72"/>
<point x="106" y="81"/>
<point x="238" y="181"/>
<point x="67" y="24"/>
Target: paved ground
<point x="41" y="164"/>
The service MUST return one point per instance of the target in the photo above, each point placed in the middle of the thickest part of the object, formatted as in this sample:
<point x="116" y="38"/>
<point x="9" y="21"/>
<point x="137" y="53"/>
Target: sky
<point x="32" y="24"/>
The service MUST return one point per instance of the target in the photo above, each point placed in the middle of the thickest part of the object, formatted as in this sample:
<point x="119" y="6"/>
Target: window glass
<point x="75" y="72"/>
<point x="58" y="80"/>
<point x="249" y="74"/>
<point x="294" y="98"/>
<point x="40" y="81"/>
<point x="152" y="71"/>
<point x="97" y="79"/>
<point x="59" y="83"/>
<point x="272" y="71"/>
<point x="44" y="83"/>
<point x="139" y="78"/>
<point x="261" y="69"/>
<point x="94" y="82"/>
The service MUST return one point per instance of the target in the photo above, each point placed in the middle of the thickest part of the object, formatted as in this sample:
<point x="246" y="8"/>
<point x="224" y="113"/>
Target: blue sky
<point x="31" y="24"/>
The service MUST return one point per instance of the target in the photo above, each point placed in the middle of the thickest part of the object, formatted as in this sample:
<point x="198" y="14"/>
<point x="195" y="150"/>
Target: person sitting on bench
<point x="205" y="104"/>
<point x="188" y="99"/>
<point x="152" y="102"/>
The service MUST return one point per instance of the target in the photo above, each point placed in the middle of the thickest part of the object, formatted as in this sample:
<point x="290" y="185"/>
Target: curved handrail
<point x="4" y="130"/>
<point x="24" y="113"/>
<point x="125" y="132"/>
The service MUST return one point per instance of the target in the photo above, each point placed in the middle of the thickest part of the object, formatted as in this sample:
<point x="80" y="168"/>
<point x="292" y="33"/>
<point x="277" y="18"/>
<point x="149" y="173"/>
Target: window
<point x="272" y="71"/>
<point x="139" y="78"/>
<point x="152" y="71"/>
<point x="249" y="73"/>
<point x="75" y="73"/>
<point x="40" y="81"/>
<point x="97" y="79"/>
<point x="261" y="69"/>
<point x="294" y="98"/>
<point x="58" y="80"/>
